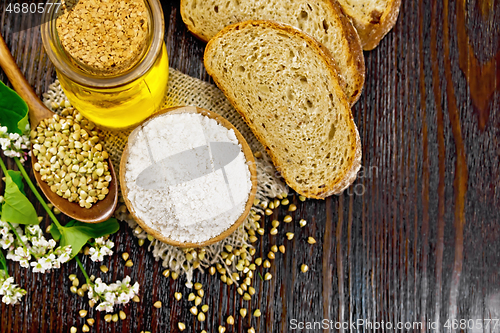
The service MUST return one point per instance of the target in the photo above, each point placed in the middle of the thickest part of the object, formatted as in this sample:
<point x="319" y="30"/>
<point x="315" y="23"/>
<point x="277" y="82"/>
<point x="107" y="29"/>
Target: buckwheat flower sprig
<point x="107" y="296"/>
<point x="14" y="144"/>
<point x="10" y="292"/>
<point x="47" y="252"/>
<point x="34" y="245"/>
<point x="101" y="248"/>
<point x="7" y="236"/>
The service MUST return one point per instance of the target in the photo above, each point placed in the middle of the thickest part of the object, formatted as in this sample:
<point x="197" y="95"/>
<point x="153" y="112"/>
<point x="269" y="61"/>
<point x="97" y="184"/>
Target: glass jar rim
<point x="61" y="61"/>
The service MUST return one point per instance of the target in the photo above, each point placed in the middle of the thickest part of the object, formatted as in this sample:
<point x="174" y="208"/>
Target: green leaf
<point x="3" y="262"/>
<point x="77" y="233"/>
<point x="54" y="231"/>
<point x="16" y="207"/>
<point x="13" y="110"/>
<point x="17" y="178"/>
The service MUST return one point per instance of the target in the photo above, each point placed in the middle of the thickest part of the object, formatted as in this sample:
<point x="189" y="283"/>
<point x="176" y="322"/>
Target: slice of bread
<point x="286" y="87"/>
<point x="372" y="18"/>
<point x="322" y="19"/>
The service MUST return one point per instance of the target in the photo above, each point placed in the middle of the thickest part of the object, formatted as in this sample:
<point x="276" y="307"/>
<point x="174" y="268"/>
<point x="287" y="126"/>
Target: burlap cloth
<point x="186" y="90"/>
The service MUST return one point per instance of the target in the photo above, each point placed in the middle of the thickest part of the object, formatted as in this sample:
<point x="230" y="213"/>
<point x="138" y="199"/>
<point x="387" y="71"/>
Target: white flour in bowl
<point x="187" y="176"/>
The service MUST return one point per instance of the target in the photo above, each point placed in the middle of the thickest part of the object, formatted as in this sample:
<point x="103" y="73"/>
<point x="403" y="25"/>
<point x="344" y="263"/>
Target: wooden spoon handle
<point x="37" y="110"/>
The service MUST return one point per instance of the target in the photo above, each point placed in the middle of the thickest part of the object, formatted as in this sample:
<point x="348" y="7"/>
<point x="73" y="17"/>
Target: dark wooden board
<point x="417" y="237"/>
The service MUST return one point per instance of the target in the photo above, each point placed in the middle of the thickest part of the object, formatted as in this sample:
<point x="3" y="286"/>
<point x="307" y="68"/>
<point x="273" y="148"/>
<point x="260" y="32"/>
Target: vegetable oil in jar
<point x="121" y="106"/>
<point x="113" y="67"/>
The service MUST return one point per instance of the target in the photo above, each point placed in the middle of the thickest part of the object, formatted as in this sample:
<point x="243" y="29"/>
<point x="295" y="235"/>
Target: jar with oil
<point x="113" y="100"/>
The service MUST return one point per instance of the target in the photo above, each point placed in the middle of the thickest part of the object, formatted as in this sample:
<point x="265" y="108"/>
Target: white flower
<point x="100" y="249"/>
<point x="9" y="300"/>
<point x="13" y="144"/>
<point x="24" y="239"/>
<point x="95" y="255"/>
<point x="100" y="286"/>
<point x="33" y="230"/>
<point x="43" y="264"/>
<point x="123" y="298"/>
<point x="4" y="142"/>
<point x="21" y="255"/>
<point x="114" y="286"/>
<point x="11" y="292"/>
<point x="105" y="306"/>
<point x="120" y="292"/>
<point x="14" y="136"/>
<point x="64" y="255"/>
<point x="99" y="241"/>
<point x="14" y="297"/>
<point x="56" y="264"/>
<point x="52" y="243"/>
<point x="7" y="240"/>
<point x="135" y="289"/>
<point x="7" y="236"/>
<point x="125" y="281"/>
<point x="5" y="285"/>
<point x="110" y="297"/>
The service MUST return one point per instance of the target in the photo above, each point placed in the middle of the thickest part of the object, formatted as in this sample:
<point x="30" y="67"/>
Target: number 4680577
<point x="30" y="8"/>
<point x="486" y="324"/>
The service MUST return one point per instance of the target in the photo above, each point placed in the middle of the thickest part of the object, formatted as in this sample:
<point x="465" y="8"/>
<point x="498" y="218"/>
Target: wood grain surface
<point x="415" y="239"/>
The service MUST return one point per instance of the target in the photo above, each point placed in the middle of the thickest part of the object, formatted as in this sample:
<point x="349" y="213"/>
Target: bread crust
<point x="352" y="174"/>
<point x="344" y="179"/>
<point x="189" y="24"/>
<point x="349" y="33"/>
<point x="372" y="33"/>
<point x="355" y="47"/>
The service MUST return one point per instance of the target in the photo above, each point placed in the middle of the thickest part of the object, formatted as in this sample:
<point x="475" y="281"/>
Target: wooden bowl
<point x="250" y="162"/>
